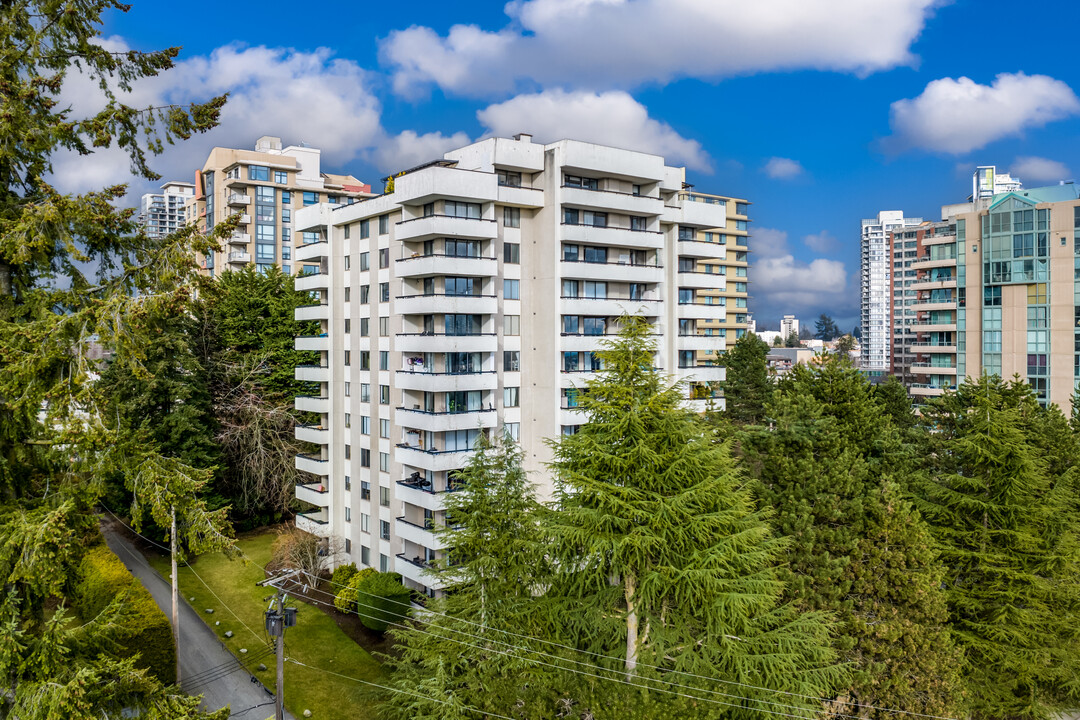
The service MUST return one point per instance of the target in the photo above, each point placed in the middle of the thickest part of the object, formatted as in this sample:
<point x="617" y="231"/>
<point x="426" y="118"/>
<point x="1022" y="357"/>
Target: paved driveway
<point x="215" y="672"/>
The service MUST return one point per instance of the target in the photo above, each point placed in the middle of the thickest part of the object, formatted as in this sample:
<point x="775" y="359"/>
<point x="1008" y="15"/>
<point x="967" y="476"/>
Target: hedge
<point x="146" y="629"/>
<point x="382" y="600"/>
<point x="345" y="600"/>
<point x="342" y="574"/>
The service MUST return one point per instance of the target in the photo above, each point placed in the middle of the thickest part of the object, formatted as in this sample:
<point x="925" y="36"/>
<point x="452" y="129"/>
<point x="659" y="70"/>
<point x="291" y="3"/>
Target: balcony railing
<point x="444" y="255"/>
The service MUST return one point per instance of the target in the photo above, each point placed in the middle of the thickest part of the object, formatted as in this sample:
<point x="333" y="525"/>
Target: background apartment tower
<point x="264" y="186"/>
<point x="876" y="278"/>
<point x="163" y="212"/>
<point x="471" y="298"/>
<point x="789" y="324"/>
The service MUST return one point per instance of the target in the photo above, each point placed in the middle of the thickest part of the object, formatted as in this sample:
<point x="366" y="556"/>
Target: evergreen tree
<point x="825" y="328"/>
<point x="792" y="340"/>
<point x="830" y="466"/>
<point x="893" y="398"/>
<point x="746" y="383"/>
<point x="493" y="564"/>
<point x="1007" y="531"/>
<point x="663" y="560"/>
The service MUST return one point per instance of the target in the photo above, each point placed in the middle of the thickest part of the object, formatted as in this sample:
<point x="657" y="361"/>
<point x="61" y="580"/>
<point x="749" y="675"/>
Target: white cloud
<point x="783" y="284"/>
<point x="780" y="168"/>
<point x="959" y="115"/>
<point x="1038" y="169"/>
<point x="622" y="43"/>
<point x="822" y="242"/>
<point x="769" y="242"/>
<point x="299" y="96"/>
<point x="610" y="118"/>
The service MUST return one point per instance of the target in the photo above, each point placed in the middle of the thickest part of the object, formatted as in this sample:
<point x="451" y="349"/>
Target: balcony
<point x="520" y="196"/>
<point x="441" y="303"/>
<point x="439" y="342"/>
<point x="318" y="343"/>
<point x="926" y="263"/>
<point x="927" y="284"/>
<point x="572" y="416"/>
<point x="702" y="280"/>
<point x="439" y="264"/>
<point x="611" y="201"/>
<point x="312" y="373"/>
<point x="612" y="271"/>
<point x="315" y="311"/>
<point x="314" y="493"/>
<point x="316" y="434"/>
<point x="445" y="421"/>
<point x="702" y="311"/>
<point x="311" y="281"/>
<point x="417" y="534"/>
<point x="239" y="238"/>
<point x="238" y="199"/>
<point x="445" y="382"/>
<point x="924" y="390"/>
<point x="931" y="349"/>
<point x="708" y="250"/>
<point x="313" y="465"/>
<point x="704" y="373"/>
<point x="921" y="326"/>
<point x="436" y="226"/>
<point x="927" y="306"/>
<point x="239" y="258"/>
<point x="716" y="343"/>
<point x="415" y="569"/>
<point x="312" y="403"/>
<point x="704" y="215"/>
<point x="620" y="237"/>
<point x="584" y="343"/>
<point x="435" y="182"/>
<point x="928" y="369"/>
<point x="420" y="494"/>
<point x="312" y="252"/>
<point x="610" y="307"/>
<point x="434" y="460"/>
<point x="315" y="523"/>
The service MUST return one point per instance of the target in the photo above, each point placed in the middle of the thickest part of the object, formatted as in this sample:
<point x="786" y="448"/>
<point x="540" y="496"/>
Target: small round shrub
<point x="345" y="600"/>
<point x="382" y="600"/>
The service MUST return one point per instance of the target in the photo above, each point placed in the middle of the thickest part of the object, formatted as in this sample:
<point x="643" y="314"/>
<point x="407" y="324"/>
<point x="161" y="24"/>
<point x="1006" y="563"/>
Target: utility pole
<point x="175" y="607"/>
<point x="277" y="619"/>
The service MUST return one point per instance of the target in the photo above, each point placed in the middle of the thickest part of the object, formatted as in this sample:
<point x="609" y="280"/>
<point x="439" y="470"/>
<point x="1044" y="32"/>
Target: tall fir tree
<point x="831" y="468"/>
<point x="746" y="382"/>
<point x="1007" y="529"/>
<point x="664" y="561"/>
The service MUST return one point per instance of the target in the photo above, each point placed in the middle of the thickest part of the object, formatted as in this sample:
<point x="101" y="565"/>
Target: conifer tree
<point x="829" y="467"/>
<point x="1007" y="531"/>
<point x="746" y="383"/>
<point x="663" y="560"/>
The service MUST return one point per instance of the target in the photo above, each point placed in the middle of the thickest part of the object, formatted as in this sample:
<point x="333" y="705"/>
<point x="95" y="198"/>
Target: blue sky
<point x="797" y="105"/>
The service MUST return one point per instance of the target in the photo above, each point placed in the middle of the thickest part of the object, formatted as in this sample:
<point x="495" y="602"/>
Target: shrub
<point x="145" y="629"/>
<point x="342" y="574"/>
<point x="345" y="600"/>
<point x="385" y="600"/>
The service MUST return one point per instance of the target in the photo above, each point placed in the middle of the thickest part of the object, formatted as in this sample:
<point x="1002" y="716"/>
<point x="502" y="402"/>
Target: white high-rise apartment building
<point x="471" y="298"/>
<point x="876" y="274"/>
<point x="789" y="324"/>
<point x="163" y="212"/>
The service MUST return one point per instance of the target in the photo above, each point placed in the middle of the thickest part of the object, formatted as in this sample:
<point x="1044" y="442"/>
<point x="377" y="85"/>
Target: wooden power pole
<point x="279" y="617"/>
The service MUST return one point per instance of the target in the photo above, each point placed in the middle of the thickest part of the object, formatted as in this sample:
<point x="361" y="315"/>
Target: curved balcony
<point x="317" y="343"/>
<point x="440" y="342"/>
<point x="313" y="465"/>
<point x="925" y="390"/>
<point x="701" y="311"/>
<point x="316" y="434"/>
<point x="420" y="494"/>
<point x="716" y="343"/>
<point x="925" y="326"/>
<point x="315" y="311"/>
<point x="312" y="403"/>
<point x="436" y="226"/>
<point x="925" y="263"/>
<point x="520" y="196"/>
<point x="441" y="303"/>
<point x="928" y="369"/>
<point x="311" y="281"/>
<point x="612" y="271"/>
<point x="928" y="284"/>
<point x="705" y="373"/>
<point x="709" y="250"/>
<point x="445" y="421"/>
<point x="621" y="237"/>
<point x="612" y="201"/>
<point x="435" y="460"/>
<point x="315" y="493"/>
<point x="312" y="373"/>
<point x="610" y="307"/>
<point x="445" y="382"/>
<point x="439" y="264"/>
<point x="932" y="349"/>
<point x="927" y="306"/>
<point x="311" y="252"/>
<point x="702" y="280"/>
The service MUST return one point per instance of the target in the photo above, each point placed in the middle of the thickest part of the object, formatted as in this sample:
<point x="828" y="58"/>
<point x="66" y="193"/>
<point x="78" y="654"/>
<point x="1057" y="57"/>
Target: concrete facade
<point x="164" y="212"/>
<point x="471" y="297"/>
<point x="876" y="270"/>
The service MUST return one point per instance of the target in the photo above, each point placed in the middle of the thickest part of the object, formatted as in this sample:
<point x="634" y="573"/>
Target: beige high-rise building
<point x="472" y="298"/>
<point x="264" y="186"/>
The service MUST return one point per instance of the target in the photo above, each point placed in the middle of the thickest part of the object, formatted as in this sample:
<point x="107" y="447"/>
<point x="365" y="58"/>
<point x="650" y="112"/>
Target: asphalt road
<point x="200" y="650"/>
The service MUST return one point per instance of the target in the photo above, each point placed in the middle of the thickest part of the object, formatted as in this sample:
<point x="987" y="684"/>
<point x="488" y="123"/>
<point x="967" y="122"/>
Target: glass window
<point x="511" y="253"/>
<point x="595" y="326"/>
<point x="512" y="217"/>
<point x="311" y="198"/>
<point x="384" y="359"/>
<point x="384" y="394"/>
<point x="384" y="428"/>
<point x="281" y="177"/>
<point x="384" y="533"/>
<point x="384" y="258"/>
<point x="570" y="324"/>
<point x="595" y="289"/>
<point x="384" y="496"/>
<point x="570" y="361"/>
<point x="570" y="216"/>
<point x="510" y="396"/>
<point x="384" y="224"/>
<point x="365" y="425"/>
<point x="365" y="261"/>
<point x="511" y="289"/>
<point x="511" y="360"/>
<point x="511" y="325"/>
<point x="384" y="292"/>
<point x="509" y="178"/>
<point x="463" y="324"/>
<point x="258" y="172"/>
<point x="595" y="254"/>
<point x="365" y="392"/>
<point x="462" y="248"/>
<point x="286" y="197"/>
<point x="455" y="208"/>
<point x="569" y="288"/>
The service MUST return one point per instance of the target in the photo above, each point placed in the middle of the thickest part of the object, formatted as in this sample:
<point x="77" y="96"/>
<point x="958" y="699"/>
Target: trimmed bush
<point x="345" y="600"/>
<point x="384" y="600"/>
<point x="342" y="574"/>
<point x="145" y="628"/>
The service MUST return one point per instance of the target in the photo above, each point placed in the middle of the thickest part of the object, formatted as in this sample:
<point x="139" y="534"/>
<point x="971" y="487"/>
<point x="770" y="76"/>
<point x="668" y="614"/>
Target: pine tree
<point x="1007" y="531"/>
<point x="825" y="328"/>
<point x="493" y="564"/>
<point x="894" y="400"/>
<point x="664" y="562"/>
<point x="829" y="467"/>
<point x="746" y="385"/>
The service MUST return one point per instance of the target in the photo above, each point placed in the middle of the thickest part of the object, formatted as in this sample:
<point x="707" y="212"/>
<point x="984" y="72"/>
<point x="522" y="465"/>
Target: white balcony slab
<point x="701" y="311"/>
<point x="313" y="466"/>
<point x="702" y="281"/>
<point x="435" y="461"/>
<point x="442" y="382"/>
<point x="417" y="535"/>
<point x="434" y="183"/>
<point x="612" y="272"/>
<point x="446" y="343"/>
<point x="238" y="200"/>
<point x="310" y="252"/>
<point x="444" y="422"/>
<point x="923" y="369"/>
<point x="434" y="226"/>
<point x="239" y="238"/>
<point x="311" y="281"/>
<point x="702" y="215"/>
<point x="933" y="349"/>
<point x="307" y="403"/>
<point x="572" y="416"/>
<point x="583" y="343"/>
<point x="456" y="304"/>
<point x="312" y="434"/>
<point x="710" y="250"/>
<point x="312" y="342"/>
<point x="933" y="327"/>
<point x="314" y="493"/>
<point x="239" y="258"/>
<point x="709" y="373"/>
<point x="609" y="307"/>
<point x="415" y="573"/>
<point x="620" y="237"/>
<point x="716" y="343"/>
<point x="319" y="311"/>
<point x="411" y="495"/>
<point x="317" y="524"/>
<point x="521" y="196"/>
<point x="311" y="373"/>
<point x="431" y="265"/>
<point x="616" y="202"/>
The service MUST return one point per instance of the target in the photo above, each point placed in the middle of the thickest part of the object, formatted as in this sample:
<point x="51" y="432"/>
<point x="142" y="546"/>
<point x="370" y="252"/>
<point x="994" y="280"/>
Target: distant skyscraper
<point x="162" y="212"/>
<point x="789" y="324"/>
<point x="876" y="276"/>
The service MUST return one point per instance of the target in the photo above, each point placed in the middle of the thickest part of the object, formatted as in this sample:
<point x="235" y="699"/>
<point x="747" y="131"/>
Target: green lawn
<point x="316" y="640"/>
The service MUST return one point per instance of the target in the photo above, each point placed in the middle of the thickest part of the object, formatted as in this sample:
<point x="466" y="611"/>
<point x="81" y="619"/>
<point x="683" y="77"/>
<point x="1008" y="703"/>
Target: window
<point x="384" y="292"/>
<point x="281" y="177"/>
<point x="348" y="421"/>
<point x="511" y="325"/>
<point x="511" y="360"/>
<point x="686" y="234"/>
<point x="569" y="288"/>
<point x="384" y="326"/>
<point x="348" y="293"/>
<point x="384" y="462"/>
<point x="581" y="182"/>
<point x="364" y="329"/>
<point x="511" y="289"/>
<point x="510" y="397"/>
<point x="462" y="248"/>
<point x="365" y="521"/>
<point x="348" y="452"/>
<point x="384" y="394"/>
<point x="686" y="296"/>
<point x="384" y="258"/>
<point x="384" y="224"/>
<point x="348" y="514"/>
<point x="384" y="562"/>
<point x="384" y="533"/>
<point x="365" y="553"/>
<point x="286" y="213"/>
<point x="570" y="253"/>
<point x="365" y="360"/>
<point x="636" y="190"/>
<point x="512" y="217"/>
<point x="365" y="425"/>
<point x="454" y="208"/>
<point x="384" y="428"/>
<point x="511" y="253"/>
<point x="384" y="496"/>
<point x="286" y="198"/>
<point x="348" y="546"/>
<point x="348" y="325"/>
<point x="348" y="354"/>
<point x="332" y="199"/>
<point x="595" y="326"/>
<point x="570" y="324"/>
<point x="429" y="209"/>
<point x="570" y="361"/>
<point x="571" y="216"/>
<point x="509" y="178"/>
<point x="596" y="290"/>
<point x="346" y="389"/>
<point x="740" y="208"/>
<point x="365" y="261"/>
<point x="364" y="290"/>
<point x="365" y="457"/>
<point x="258" y="172"/>
<point x="463" y="324"/>
<point x="384" y="359"/>
<point x="637" y="224"/>
<point x="311" y="198"/>
<point x="348" y="231"/>
<point x="348" y="483"/>
<point x="365" y="490"/>
<point x="365" y="392"/>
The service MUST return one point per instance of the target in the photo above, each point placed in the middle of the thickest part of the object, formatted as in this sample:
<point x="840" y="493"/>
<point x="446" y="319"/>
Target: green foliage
<point x="792" y="340"/>
<point x="347" y="597"/>
<point x="830" y="466"/>
<point x="342" y="574"/>
<point x="146" y="631"/>
<point x="382" y="600"/>
<point x="893" y="398"/>
<point x="746" y="385"/>
<point x="1007" y="529"/>
<point x="825" y="328"/>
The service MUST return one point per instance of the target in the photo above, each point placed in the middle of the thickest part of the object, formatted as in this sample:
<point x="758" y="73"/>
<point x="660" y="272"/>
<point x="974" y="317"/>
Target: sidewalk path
<point x="200" y="648"/>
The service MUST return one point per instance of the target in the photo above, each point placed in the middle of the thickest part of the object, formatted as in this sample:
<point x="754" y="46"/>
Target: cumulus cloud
<point x="299" y="96"/>
<point x="599" y="43"/>
<point x="780" y="168"/>
<point x="609" y="118"/>
<point x="822" y="242"/>
<point x="959" y="115"/>
<point x="1038" y="169"/>
<point x="783" y="284"/>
